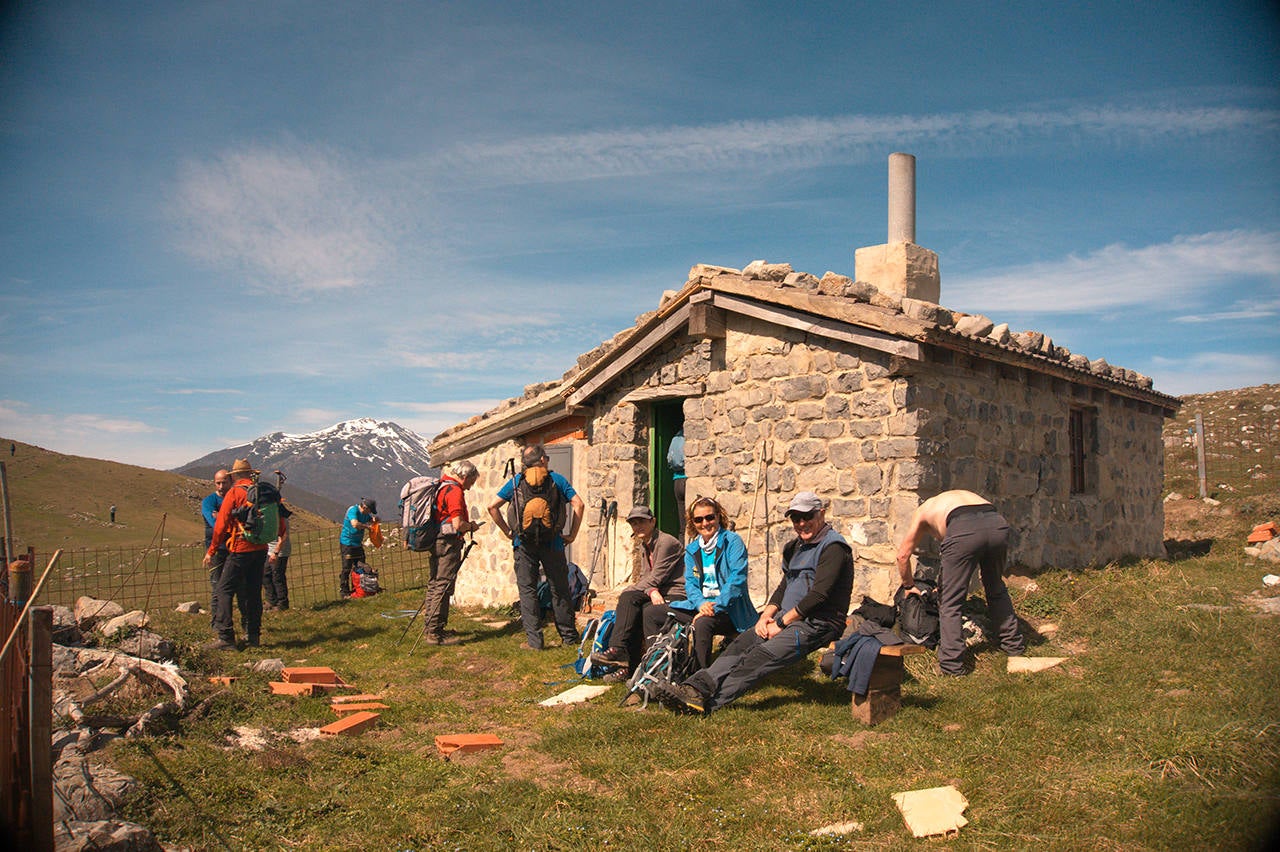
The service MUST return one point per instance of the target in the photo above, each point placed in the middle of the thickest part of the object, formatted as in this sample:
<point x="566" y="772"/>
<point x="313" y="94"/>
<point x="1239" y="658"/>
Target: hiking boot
<point x="525" y="646"/>
<point x="680" y="697"/>
<point x="252" y="642"/>
<point x="617" y="676"/>
<point x="610" y="657"/>
<point x="220" y="644"/>
<point x="441" y="640"/>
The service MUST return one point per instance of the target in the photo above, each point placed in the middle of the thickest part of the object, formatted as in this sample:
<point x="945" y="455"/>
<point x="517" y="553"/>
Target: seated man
<point x="805" y="613"/>
<point x="661" y="580"/>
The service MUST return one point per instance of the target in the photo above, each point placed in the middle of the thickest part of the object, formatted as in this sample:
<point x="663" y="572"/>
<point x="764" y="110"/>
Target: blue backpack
<point x="595" y="638"/>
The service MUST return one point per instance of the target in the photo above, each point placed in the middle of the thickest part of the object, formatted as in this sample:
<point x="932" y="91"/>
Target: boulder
<point x="89" y="611"/>
<point x="122" y="623"/>
<point x="103" y="836"/>
<point x="148" y="646"/>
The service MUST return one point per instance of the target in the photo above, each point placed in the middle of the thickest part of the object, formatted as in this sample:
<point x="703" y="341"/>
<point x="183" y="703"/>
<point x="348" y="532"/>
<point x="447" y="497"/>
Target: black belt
<point x="974" y="509"/>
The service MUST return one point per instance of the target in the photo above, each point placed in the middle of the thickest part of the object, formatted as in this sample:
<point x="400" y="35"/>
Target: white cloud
<point x="1240" y="310"/>
<point x="94" y="436"/>
<point x="1214" y="371"/>
<point x="429" y="419"/>
<point x="204" y="391"/>
<point x="1118" y="275"/>
<point x="292" y="218"/>
<point x="807" y="141"/>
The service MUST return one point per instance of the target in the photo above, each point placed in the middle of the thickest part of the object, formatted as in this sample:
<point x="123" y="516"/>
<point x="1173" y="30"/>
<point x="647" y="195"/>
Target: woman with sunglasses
<point x="715" y="580"/>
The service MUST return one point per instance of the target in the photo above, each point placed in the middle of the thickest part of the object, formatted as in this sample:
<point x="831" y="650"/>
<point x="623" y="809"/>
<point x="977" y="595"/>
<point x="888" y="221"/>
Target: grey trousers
<point x="749" y="659"/>
<point x="445" y="562"/>
<point x="556" y="568"/>
<point x="977" y="540"/>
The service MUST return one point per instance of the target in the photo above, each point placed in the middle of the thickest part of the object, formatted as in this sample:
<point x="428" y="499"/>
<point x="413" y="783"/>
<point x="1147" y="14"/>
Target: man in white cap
<point x="806" y="612"/>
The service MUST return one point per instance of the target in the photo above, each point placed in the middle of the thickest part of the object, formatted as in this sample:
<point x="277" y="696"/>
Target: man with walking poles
<point x="447" y="552"/>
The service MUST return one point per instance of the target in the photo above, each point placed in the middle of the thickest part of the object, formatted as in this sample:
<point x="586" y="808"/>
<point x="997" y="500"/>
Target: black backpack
<point x="537" y="510"/>
<point x="918" y="614"/>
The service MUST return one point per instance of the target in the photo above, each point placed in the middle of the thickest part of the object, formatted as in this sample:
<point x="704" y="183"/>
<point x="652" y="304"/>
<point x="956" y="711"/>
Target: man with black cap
<point x="360" y="517"/>
<point x="804" y="613"/>
<point x="661" y="580"/>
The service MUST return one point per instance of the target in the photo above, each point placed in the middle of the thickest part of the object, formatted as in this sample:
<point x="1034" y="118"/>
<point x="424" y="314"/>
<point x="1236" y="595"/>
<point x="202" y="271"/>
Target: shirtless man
<point x="973" y="536"/>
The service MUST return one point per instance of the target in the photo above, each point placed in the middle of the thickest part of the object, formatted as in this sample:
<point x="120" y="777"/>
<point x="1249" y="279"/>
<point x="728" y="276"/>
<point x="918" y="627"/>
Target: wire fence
<point x="1241" y="455"/>
<point x="144" y="577"/>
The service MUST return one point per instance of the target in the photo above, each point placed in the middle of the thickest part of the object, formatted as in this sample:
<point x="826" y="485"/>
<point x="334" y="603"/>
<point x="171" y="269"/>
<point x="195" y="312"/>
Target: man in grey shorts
<point x="974" y="536"/>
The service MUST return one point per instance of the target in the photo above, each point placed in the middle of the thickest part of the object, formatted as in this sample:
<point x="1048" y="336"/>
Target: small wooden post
<point x="1204" y="491"/>
<point x="40" y="690"/>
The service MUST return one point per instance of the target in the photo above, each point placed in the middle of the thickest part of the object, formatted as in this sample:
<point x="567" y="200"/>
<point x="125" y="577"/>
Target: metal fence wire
<point x="1241" y="453"/>
<point x="165" y="576"/>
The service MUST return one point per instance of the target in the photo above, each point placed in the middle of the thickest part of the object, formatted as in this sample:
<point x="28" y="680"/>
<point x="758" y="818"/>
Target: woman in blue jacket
<point x="715" y="578"/>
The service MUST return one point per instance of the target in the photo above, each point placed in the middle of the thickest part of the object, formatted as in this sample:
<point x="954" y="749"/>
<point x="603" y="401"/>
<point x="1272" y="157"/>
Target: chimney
<point x="900" y="266"/>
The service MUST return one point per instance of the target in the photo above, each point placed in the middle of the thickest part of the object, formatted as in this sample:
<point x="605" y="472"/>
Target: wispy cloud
<point x="805" y="141"/>
<point x="429" y="419"/>
<point x="204" y="391"/>
<point x="291" y="217"/>
<point x="1217" y="370"/>
<point x="1119" y="275"/>
<point x="1240" y="310"/>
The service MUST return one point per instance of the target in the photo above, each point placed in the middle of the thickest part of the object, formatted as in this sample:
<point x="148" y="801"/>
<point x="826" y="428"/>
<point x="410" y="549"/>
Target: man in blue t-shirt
<point x="209" y="509"/>
<point x="360" y="517"/>
<point x="548" y="556"/>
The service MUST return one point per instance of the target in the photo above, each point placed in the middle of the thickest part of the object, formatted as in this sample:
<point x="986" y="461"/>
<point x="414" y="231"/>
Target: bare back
<point x="932" y="513"/>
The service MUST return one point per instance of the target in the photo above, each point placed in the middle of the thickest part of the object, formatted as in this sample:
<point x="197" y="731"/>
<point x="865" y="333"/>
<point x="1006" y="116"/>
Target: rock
<point x="85" y="792"/>
<point x="103" y="836"/>
<point x="192" y="607"/>
<point x="802" y="281"/>
<point x="765" y="271"/>
<point x="1000" y="333"/>
<point x="65" y="629"/>
<point x="90" y="611"/>
<point x="975" y="325"/>
<point x="129" y="621"/>
<point x="272" y="665"/>
<point x="1173" y="495"/>
<point x="148" y="646"/>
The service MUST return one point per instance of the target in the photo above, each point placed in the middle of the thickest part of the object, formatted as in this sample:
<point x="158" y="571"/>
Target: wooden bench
<point x="884" y="690"/>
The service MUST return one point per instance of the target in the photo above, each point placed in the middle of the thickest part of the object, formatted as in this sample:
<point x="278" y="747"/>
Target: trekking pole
<point x="608" y="549"/>
<point x="471" y="542"/>
<point x="585" y="606"/>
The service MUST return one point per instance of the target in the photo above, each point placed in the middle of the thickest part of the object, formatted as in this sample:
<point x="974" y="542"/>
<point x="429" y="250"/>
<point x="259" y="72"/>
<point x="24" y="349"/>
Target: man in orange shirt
<point x="242" y="572"/>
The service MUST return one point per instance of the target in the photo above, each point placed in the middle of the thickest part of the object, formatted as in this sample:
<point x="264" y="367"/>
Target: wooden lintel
<point x="650" y="394"/>
<point x="822" y="326"/>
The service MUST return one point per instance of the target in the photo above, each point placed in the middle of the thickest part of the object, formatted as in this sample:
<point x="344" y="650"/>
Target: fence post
<point x="1204" y="491"/>
<point x="40" y="691"/>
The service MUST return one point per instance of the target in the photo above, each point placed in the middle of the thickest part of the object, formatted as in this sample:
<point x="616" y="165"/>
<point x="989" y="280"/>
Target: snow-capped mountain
<point x="329" y="470"/>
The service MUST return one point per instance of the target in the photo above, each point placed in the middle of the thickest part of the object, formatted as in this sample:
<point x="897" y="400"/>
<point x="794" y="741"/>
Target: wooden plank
<point x="649" y="394"/>
<point x="901" y="650"/>
<point x="822" y="326"/>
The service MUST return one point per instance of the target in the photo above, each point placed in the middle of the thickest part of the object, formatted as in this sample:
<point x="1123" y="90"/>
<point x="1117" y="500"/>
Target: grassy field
<point x="1162" y="731"/>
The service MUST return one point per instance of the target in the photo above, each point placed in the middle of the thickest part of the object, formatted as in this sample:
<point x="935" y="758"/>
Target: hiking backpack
<point x="595" y="639"/>
<point x="419" y="515"/>
<point x="918" y="614"/>
<point x="537" y="508"/>
<point x="259" y="517"/>
<point x="577" y="591"/>
<point x="364" y="582"/>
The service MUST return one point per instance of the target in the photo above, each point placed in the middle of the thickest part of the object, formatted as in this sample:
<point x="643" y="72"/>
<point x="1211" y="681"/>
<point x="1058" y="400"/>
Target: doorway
<point x="666" y="421"/>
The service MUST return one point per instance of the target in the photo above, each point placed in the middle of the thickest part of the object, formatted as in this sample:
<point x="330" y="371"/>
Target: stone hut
<point x="866" y="391"/>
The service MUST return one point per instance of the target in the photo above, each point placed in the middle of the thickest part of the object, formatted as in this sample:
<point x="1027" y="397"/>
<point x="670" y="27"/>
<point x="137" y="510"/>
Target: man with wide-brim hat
<point x="241" y="576"/>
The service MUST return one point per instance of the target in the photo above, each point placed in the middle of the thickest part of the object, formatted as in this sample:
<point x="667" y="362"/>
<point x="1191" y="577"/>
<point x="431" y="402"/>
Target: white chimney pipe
<point x="902" y="198"/>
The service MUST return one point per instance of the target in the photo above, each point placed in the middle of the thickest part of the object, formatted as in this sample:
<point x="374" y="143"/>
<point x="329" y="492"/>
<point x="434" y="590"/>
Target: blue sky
<point x="219" y="220"/>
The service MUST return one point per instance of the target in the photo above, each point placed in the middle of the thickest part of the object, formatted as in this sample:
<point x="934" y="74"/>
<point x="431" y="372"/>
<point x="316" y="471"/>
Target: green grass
<point x="1162" y="731"/>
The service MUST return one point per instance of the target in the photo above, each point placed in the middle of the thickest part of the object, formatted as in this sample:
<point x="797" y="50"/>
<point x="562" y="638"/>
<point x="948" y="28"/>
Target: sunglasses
<point x="803" y="516"/>
<point x="703" y="519"/>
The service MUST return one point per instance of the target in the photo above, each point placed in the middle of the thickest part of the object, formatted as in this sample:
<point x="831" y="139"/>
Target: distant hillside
<point x="329" y="470"/>
<point x="61" y="501"/>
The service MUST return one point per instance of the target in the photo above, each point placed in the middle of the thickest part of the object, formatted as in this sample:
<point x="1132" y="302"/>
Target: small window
<point x="1081" y="439"/>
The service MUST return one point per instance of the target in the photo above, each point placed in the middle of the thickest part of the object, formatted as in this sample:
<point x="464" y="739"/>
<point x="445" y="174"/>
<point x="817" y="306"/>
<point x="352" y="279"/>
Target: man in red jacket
<point x="242" y="572"/>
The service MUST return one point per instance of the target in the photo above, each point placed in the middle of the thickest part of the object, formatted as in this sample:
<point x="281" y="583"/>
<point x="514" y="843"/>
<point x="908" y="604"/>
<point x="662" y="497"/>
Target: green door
<point x="666" y="419"/>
